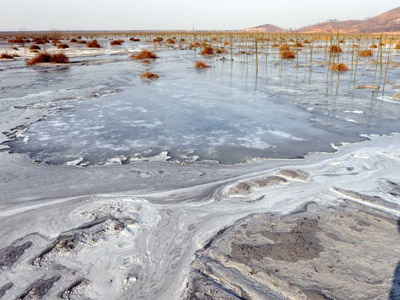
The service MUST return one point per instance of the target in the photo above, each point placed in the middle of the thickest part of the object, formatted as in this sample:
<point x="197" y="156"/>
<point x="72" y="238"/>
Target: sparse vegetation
<point x="201" y="65"/>
<point x="44" y="57"/>
<point x="340" y="67"/>
<point x="6" y="56"/>
<point x="170" y="41"/>
<point x="207" y="50"/>
<point x="365" y="53"/>
<point x="158" y="39"/>
<point x="117" y="42"/>
<point x="287" y="54"/>
<point x="149" y="75"/>
<point x="62" y="46"/>
<point x="34" y="48"/>
<point x="335" y="49"/>
<point x="144" y="54"/>
<point x="93" y="44"/>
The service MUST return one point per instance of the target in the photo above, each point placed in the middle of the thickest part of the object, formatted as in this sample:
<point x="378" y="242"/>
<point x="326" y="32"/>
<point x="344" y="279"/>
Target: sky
<point x="180" y="14"/>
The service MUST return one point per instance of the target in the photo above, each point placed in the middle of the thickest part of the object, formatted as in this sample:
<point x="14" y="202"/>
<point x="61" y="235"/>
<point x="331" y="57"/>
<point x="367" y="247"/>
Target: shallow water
<point x="231" y="113"/>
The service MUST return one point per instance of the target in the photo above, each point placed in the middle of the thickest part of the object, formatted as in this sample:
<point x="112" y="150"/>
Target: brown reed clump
<point x="340" y="67"/>
<point x="6" y="56"/>
<point x="62" y="46"/>
<point x="207" y="50"/>
<point x="170" y="41"/>
<point x="194" y="45"/>
<point x="117" y="42"/>
<point x="284" y="47"/>
<point x="144" y="54"/>
<point x="93" y="44"/>
<point x="365" y="53"/>
<point x="149" y="75"/>
<point x="306" y="42"/>
<point x="275" y="45"/>
<point x="73" y="40"/>
<point x="201" y="65"/>
<point x="287" y="54"/>
<point x="34" y="48"/>
<point x="298" y="45"/>
<point x="44" y="57"/>
<point x="221" y="51"/>
<point x="397" y="47"/>
<point x="335" y="49"/>
<point x="373" y="46"/>
<point x="158" y="39"/>
<point x="134" y="39"/>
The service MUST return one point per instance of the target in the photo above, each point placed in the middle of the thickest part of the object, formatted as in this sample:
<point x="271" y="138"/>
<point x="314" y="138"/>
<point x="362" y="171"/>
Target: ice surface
<point x="230" y="113"/>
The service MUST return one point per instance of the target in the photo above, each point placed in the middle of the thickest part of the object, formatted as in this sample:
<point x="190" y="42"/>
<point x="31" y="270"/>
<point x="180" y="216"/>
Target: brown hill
<point x="265" y="28"/>
<point x="386" y="22"/>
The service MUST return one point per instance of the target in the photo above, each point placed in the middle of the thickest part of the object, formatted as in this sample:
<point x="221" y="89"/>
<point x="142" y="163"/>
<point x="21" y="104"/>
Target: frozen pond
<point x="230" y="113"/>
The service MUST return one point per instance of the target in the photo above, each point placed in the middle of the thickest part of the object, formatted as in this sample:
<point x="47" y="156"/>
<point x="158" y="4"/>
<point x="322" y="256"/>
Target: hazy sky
<point x="179" y="14"/>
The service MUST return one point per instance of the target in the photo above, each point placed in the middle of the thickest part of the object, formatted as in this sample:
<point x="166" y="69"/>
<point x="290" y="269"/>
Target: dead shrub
<point x="62" y="46"/>
<point x="335" y="49"/>
<point x="365" y="53"/>
<point x="44" y="57"/>
<point x="73" y="40"/>
<point x="298" y="45"/>
<point x="144" y="54"/>
<point x="284" y="47"/>
<point x="6" y="56"/>
<point x="149" y="75"/>
<point x="34" y="48"/>
<point x="287" y="54"/>
<point x="194" y="45"/>
<point x="134" y="40"/>
<point x="373" y="46"/>
<point x="158" y="39"/>
<point x="207" y="50"/>
<point x="221" y="51"/>
<point x="117" y="42"/>
<point x="93" y="44"/>
<point x="170" y="41"/>
<point x="201" y="65"/>
<point x="340" y="67"/>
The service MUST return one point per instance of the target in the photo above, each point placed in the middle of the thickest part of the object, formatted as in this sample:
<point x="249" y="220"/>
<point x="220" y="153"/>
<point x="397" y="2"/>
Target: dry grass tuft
<point x="62" y="46"/>
<point x="117" y="42"/>
<point x="335" y="49"/>
<point x="221" y="51"/>
<point x="207" y="50"/>
<point x="144" y="54"/>
<point x="287" y="54"/>
<point x="34" y="48"/>
<point x="365" y="53"/>
<point x="194" y="45"/>
<point x="44" y="57"/>
<point x="201" y="65"/>
<point x="73" y="40"/>
<point x="93" y="44"/>
<point x="284" y="47"/>
<point x="373" y="46"/>
<point x="6" y="56"/>
<point x="299" y="45"/>
<point x="340" y="67"/>
<point x="149" y="75"/>
<point x="158" y="39"/>
<point x="170" y="41"/>
<point x="397" y="47"/>
<point x="134" y="39"/>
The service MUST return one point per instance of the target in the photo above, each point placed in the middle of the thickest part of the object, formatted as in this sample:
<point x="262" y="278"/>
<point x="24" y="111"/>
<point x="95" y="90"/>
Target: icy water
<point x="231" y="113"/>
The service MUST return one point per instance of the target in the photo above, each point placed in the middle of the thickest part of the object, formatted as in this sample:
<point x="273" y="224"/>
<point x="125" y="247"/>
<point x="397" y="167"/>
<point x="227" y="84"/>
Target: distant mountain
<point x="386" y="22"/>
<point x="266" y="28"/>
